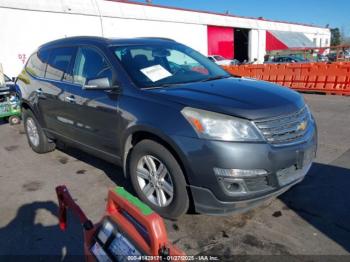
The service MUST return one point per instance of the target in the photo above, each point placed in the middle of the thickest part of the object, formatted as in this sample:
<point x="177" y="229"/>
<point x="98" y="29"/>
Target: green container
<point x="8" y="109"/>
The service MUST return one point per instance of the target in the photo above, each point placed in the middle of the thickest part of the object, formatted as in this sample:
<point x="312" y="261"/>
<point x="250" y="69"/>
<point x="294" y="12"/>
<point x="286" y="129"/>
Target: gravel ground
<point x="313" y="218"/>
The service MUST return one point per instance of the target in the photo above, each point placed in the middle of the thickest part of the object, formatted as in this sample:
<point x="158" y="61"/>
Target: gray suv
<point x="183" y="129"/>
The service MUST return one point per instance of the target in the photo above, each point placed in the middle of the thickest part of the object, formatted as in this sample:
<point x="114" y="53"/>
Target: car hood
<point x="239" y="97"/>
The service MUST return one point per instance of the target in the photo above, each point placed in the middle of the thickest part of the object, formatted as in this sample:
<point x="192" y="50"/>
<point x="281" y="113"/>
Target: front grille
<point x="285" y="129"/>
<point x="255" y="184"/>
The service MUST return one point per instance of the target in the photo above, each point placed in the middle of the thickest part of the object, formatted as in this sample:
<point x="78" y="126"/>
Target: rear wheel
<point x="158" y="179"/>
<point x="37" y="139"/>
<point x="14" y="120"/>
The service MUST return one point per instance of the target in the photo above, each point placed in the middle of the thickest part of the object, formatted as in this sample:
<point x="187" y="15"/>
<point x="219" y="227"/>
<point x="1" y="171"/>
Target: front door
<point x="93" y="112"/>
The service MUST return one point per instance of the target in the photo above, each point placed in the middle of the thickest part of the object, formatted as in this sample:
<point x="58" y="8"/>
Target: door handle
<point x="70" y="99"/>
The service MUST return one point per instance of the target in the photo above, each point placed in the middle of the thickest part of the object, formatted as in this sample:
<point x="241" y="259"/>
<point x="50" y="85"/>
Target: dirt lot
<point x="311" y="219"/>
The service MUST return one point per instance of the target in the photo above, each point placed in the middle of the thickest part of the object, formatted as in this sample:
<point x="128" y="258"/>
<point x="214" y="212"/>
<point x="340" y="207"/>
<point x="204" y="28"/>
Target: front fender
<point x="154" y="132"/>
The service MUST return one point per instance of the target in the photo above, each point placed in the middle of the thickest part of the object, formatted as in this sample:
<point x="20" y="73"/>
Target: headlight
<point x="215" y="126"/>
<point x="309" y="113"/>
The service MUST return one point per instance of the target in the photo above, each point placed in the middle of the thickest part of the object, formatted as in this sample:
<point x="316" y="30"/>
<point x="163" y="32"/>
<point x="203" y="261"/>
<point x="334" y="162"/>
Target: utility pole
<point x="100" y="16"/>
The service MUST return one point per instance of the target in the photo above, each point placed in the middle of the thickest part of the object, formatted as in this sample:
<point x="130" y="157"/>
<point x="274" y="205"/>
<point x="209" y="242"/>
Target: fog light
<point x="239" y="172"/>
<point x="233" y="186"/>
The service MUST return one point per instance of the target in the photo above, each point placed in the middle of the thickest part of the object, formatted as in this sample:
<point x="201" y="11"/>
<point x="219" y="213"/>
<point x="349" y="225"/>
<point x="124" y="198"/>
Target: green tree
<point x="336" y="36"/>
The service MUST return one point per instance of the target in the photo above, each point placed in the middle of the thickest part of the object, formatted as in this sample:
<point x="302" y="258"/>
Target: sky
<point x="316" y="12"/>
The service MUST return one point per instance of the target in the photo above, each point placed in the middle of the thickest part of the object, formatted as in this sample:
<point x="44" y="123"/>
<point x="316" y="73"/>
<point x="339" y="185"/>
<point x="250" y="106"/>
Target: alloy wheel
<point x="32" y="132"/>
<point x="155" y="181"/>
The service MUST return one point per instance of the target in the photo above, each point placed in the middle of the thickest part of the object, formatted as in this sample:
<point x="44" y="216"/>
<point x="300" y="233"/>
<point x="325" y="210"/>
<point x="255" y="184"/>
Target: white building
<point x="26" y="24"/>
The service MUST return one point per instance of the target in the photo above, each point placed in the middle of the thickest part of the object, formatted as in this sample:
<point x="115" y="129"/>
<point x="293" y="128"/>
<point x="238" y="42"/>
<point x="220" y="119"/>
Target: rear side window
<point x="90" y="64"/>
<point x="37" y="63"/>
<point x="59" y="64"/>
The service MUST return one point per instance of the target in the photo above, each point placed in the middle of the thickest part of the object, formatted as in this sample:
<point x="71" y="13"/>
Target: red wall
<point x="272" y="43"/>
<point x="221" y="41"/>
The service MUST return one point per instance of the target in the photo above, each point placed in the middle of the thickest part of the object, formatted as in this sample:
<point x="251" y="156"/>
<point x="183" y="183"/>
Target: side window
<point x="37" y="63"/>
<point x="89" y="65"/>
<point x="58" y="65"/>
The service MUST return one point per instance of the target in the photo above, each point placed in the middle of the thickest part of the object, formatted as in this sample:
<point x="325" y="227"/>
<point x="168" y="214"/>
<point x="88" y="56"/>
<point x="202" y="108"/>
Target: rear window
<point x="59" y="64"/>
<point x="37" y="63"/>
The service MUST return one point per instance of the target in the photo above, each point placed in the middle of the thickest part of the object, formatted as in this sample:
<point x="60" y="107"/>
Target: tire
<point x="14" y="120"/>
<point x="172" y="207"/>
<point x="42" y="145"/>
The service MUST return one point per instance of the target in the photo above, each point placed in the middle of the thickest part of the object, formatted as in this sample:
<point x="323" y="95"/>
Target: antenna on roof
<point x="227" y="12"/>
<point x="149" y="1"/>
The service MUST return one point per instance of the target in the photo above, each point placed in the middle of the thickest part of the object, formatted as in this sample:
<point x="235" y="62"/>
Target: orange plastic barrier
<point x="326" y="78"/>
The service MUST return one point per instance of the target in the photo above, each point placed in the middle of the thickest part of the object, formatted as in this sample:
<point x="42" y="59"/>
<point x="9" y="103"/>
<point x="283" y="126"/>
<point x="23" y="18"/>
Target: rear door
<point x="93" y="112"/>
<point x="50" y="92"/>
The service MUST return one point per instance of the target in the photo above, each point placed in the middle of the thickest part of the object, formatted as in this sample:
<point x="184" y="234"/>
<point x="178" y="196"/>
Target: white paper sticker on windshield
<point x="155" y="73"/>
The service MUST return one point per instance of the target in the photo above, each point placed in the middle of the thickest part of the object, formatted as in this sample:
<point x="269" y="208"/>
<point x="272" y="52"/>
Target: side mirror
<point x="98" y="84"/>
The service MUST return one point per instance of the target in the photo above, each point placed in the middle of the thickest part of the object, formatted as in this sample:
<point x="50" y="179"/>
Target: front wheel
<point x="158" y="179"/>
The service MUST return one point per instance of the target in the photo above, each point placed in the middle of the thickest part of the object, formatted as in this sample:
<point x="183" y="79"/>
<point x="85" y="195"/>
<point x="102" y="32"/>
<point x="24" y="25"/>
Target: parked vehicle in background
<point x="220" y="60"/>
<point x="286" y="59"/>
<point x="332" y="57"/>
<point x="182" y="128"/>
<point x="9" y="82"/>
<point x="322" y="58"/>
<point x="339" y="55"/>
<point x="9" y="103"/>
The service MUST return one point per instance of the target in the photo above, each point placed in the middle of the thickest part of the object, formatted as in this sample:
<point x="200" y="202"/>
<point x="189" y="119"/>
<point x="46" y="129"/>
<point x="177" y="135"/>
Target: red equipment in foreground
<point x="129" y="231"/>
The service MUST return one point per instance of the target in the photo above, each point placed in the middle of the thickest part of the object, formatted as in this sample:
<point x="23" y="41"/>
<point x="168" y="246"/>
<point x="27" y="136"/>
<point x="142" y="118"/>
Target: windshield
<point x="159" y="65"/>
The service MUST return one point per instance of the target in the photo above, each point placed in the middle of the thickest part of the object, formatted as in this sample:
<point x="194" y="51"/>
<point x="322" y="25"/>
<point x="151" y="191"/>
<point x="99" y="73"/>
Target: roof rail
<point x="154" y="37"/>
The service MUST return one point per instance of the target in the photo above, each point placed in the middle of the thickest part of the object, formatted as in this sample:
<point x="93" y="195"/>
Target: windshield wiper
<point x="215" y="78"/>
<point x="182" y="83"/>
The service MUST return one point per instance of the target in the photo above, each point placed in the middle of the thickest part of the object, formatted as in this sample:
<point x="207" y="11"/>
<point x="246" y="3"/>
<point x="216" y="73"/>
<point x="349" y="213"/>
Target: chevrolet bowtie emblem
<point x="302" y="126"/>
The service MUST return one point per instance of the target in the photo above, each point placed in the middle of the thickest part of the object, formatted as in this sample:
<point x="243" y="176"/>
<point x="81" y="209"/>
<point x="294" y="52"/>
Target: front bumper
<point x="207" y="203"/>
<point x="208" y="191"/>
